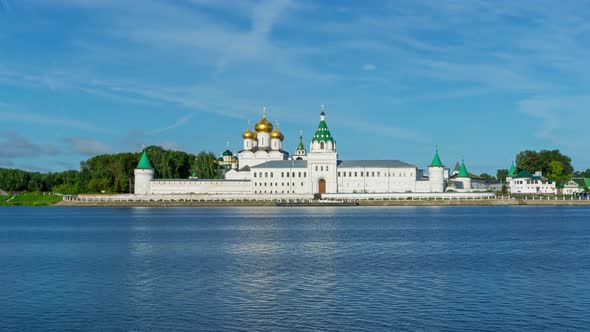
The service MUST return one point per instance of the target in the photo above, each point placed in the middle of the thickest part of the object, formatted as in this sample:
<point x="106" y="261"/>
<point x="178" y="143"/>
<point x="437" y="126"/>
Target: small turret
<point x="144" y="174"/>
<point x="300" y="153"/>
<point x="436" y="172"/>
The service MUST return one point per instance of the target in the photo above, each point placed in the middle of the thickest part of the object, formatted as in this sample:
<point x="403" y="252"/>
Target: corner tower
<point x="436" y="174"/>
<point x="463" y="176"/>
<point x="144" y="174"/>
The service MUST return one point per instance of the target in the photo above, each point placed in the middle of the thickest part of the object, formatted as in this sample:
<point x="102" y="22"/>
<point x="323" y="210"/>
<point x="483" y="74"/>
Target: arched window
<point x="322" y="145"/>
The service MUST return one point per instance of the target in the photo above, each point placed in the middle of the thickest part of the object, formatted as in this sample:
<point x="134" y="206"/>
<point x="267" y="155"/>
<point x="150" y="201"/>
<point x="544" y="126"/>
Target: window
<point x="302" y="184"/>
<point x="361" y="174"/>
<point x="265" y="174"/>
<point x="378" y="174"/>
<point x="287" y="174"/>
<point x="299" y="175"/>
<point x="293" y="175"/>
<point x="322" y="168"/>
<point x="322" y="145"/>
<point x="338" y="173"/>
<point x="304" y="174"/>
<point x="271" y="174"/>
<point x="254" y="174"/>
<point x="349" y="174"/>
<point x="326" y="168"/>
<point x="316" y="168"/>
<point x="355" y="174"/>
<point x="282" y="174"/>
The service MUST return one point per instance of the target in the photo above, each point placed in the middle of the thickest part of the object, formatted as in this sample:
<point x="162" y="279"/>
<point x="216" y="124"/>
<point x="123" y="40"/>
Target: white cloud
<point x="89" y="147"/>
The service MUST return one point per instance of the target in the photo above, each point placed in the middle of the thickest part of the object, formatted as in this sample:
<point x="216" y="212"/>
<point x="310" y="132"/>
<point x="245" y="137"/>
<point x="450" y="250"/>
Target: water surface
<point x="280" y="269"/>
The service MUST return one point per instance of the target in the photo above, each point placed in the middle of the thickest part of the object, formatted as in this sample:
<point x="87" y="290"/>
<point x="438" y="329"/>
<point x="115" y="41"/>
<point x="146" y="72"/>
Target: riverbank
<point x="463" y="202"/>
<point x="30" y="199"/>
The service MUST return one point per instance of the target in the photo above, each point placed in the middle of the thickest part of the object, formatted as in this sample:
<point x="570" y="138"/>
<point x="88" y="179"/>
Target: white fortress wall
<point x="376" y="179"/>
<point x="159" y="187"/>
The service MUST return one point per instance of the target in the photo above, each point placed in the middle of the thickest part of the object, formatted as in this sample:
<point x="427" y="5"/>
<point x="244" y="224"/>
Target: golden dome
<point x="263" y="126"/>
<point x="277" y="134"/>
<point x="249" y="134"/>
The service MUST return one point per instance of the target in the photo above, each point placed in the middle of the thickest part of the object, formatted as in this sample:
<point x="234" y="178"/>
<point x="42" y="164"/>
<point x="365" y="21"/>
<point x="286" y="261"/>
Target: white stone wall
<point x="159" y="187"/>
<point x="376" y="180"/>
<point x="237" y="175"/>
<point x="280" y="181"/>
<point x="143" y="178"/>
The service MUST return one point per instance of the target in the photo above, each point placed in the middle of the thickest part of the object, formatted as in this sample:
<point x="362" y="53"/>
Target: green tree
<point x="502" y="174"/>
<point x="557" y="172"/>
<point x="533" y="161"/>
<point x="488" y="177"/>
<point x="205" y="165"/>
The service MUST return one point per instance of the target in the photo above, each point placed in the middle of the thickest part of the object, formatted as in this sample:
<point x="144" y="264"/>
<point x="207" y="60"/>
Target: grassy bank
<point x="29" y="199"/>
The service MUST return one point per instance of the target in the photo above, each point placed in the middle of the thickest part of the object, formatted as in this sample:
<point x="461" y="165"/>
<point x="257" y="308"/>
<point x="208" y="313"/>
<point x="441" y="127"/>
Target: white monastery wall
<point x="200" y="186"/>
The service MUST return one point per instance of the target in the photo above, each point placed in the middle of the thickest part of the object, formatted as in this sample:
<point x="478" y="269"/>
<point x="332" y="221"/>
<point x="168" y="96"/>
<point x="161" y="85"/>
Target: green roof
<point x="300" y="146"/>
<point x="512" y="171"/>
<point x="228" y="153"/>
<point x="524" y="174"/>
<point x="436" y="160"/>
<point x="463" y="171"/>
<point x="457" y="167"/>
<point x="144" y="162"/>
<point x="322" y="134"/>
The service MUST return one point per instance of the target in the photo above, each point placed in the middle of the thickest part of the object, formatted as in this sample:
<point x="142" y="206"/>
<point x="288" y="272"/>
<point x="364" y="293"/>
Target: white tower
<point x="436" y="172"/>
<point x="463" y="177"/>
<point x="144" y="174"/>
<point x="322" y="160"/>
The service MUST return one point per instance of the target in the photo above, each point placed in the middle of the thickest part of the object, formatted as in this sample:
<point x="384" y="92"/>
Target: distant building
<point x="576" y="186"/>
<point x="527" y="183"/>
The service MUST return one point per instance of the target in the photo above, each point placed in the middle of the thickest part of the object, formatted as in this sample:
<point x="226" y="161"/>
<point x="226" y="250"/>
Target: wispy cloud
<point x="15" y="145"/>
<point x="88" y="147"/>
<point x="176" y="124"/>
<point x="24" y="117"/>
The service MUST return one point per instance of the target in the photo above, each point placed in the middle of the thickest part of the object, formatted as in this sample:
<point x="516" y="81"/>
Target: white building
<point x="576" y="186"/>
<point x="265" y="168"/>
<point x="526" y="183"/>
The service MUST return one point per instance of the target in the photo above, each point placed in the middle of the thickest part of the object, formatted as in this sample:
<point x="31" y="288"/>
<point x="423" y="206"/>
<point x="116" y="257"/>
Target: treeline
<point x="552" y="163"/>
<point x="112" y="173"/>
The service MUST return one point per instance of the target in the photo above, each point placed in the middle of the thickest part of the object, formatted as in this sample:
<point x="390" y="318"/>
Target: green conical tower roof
<point x="463" y="171"/>
<point x="144" y="162"/>
<point x="436" y="160"/>
<point x="512" y="171"/>
<point x="322" y="134"/>
<point x="300" y="146"/>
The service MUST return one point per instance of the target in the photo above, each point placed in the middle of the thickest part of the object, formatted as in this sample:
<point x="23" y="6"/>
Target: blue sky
<point x="482" y="80"/>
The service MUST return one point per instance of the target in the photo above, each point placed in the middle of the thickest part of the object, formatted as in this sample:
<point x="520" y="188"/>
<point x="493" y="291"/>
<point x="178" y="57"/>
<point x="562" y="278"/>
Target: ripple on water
<point x="258" y="269"/>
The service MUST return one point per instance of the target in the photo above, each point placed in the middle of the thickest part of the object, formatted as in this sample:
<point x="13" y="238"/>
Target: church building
<point x="264" y="167"/>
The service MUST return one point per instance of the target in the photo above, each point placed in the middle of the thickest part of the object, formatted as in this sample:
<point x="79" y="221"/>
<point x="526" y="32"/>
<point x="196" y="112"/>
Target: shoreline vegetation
<point x="50" y="199"/>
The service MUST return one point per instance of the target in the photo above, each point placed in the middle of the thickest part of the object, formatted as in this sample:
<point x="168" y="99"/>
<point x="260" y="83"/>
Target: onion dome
<point x="227" y="153"/>
<point x="248" y="134"/>
<point x="263" y="126"/>
<point x="277" y="134"/>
